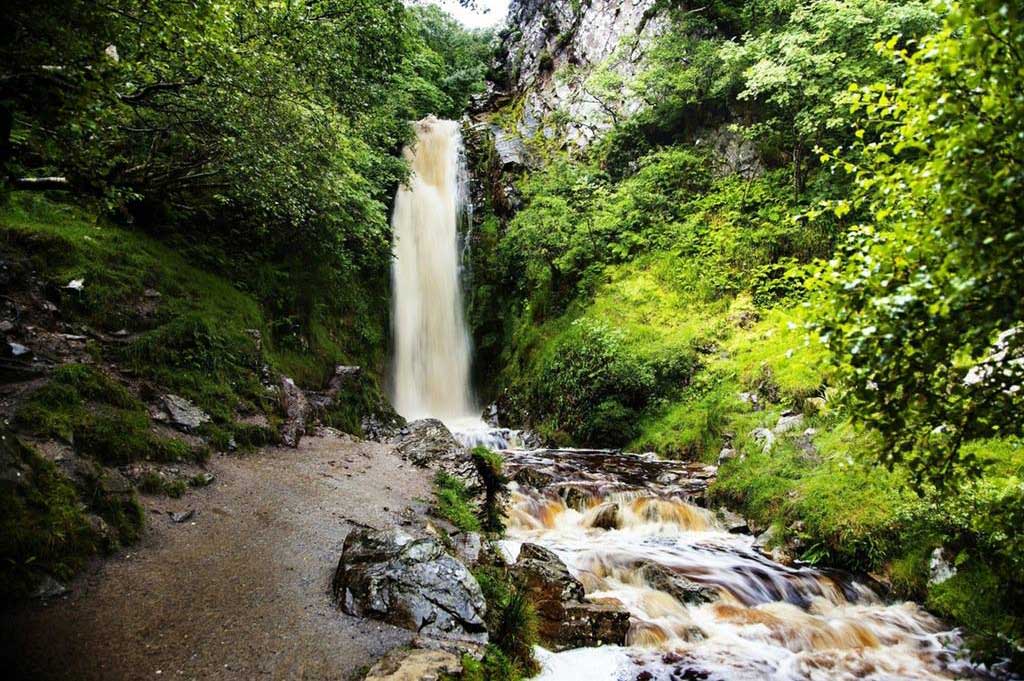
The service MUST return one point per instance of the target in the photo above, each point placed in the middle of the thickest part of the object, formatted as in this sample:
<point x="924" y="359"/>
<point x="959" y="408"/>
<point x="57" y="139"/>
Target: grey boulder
<point x="411" y="583"/>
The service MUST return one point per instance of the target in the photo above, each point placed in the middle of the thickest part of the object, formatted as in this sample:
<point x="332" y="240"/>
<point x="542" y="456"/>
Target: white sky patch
<point x="489" y="13"/>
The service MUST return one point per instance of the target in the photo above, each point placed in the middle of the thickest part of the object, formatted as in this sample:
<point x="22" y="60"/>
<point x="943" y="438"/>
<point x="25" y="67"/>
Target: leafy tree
<point x="925" y="301"/>
<point x="458" y="58"/>
<point x="796" y="73"/>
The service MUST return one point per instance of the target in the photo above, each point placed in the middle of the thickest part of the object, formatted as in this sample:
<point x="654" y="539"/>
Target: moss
<point x="154" y="483"/>
<point x="82" y="405"/>
<point x="200" y="333"/>
<point x="43" y="528"/>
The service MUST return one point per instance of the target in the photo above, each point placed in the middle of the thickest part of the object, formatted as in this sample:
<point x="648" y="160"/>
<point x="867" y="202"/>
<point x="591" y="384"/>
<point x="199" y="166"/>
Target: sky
<point x="490" y="13"/>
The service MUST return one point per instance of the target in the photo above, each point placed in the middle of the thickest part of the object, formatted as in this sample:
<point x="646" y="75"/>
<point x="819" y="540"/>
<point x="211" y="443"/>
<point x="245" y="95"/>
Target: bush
<point x="590" y="374"/>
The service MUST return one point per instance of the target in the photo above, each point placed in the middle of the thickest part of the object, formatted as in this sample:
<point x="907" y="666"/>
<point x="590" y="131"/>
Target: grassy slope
<point x="157" y="323"/>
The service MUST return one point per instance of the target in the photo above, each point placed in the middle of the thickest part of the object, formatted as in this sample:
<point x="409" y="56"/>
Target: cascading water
<point x="432" y="347"/>
<point x="766" y="621"/>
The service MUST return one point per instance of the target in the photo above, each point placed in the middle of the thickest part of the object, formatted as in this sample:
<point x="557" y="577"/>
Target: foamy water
<point x="767" y="620"/>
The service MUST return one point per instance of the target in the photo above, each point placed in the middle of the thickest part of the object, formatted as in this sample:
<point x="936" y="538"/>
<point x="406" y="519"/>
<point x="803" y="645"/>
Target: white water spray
<point x="432" y="346"/>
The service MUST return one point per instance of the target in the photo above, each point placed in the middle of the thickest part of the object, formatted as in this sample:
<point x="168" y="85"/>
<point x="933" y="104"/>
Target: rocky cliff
<point x="560" y="62"/>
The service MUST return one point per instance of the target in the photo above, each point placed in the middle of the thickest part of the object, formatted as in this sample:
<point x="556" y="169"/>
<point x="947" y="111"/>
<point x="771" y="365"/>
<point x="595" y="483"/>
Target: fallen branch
<point x="41" y="183"/>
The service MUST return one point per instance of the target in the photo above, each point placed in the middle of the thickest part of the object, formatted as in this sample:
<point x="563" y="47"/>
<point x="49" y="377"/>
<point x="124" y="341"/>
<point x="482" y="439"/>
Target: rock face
<point x="547" y="35"/>
<point x="565" y="620"/>
<point x="296" y="408"/>
<point x="430" y="444"/>
<point x="411" y="583"/>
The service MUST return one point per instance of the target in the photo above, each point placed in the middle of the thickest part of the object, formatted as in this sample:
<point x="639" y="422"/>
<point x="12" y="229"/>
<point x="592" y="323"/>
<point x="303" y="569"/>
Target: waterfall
<point x="432" y="349"/>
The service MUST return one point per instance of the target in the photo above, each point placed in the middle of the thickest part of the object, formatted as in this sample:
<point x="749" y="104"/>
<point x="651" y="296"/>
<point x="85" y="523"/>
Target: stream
<point x="766" y="620"/>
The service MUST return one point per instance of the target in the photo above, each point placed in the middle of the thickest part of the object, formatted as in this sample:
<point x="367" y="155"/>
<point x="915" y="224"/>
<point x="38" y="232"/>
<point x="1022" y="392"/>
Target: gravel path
<point x="241" y="590"/>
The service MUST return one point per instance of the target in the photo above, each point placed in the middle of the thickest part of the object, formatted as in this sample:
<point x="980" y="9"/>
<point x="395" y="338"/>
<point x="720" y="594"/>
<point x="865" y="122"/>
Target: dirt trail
<point x="241" y="590"/>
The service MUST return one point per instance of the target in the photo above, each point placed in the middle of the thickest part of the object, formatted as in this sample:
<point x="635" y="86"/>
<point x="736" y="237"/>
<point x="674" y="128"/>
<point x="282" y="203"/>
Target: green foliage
<point x="591" y="386"/>
<point x="43" y="530"/>
<point x="451" y="62"/>
<point x="453" y="502"/>
<point x="81" y="405"/>
<point x="923" y="304"/>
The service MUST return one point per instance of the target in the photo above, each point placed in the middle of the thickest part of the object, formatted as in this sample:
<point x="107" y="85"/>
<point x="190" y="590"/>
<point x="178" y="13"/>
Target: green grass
<point x="82" y="405"/>
<point x="512" y="626"/>
<point x="452" y="502"/>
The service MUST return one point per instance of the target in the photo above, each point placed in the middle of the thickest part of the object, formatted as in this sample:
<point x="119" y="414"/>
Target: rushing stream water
<point x="766" y="620"/>
<point x="762" y="620"/>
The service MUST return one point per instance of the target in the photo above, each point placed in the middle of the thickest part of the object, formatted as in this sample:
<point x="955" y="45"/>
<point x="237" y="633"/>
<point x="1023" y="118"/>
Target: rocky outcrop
<point x="411" y="583"/>
<point x="565" y="620"/>
<point x="552" y="47"/>
<point x="429" y="443"/>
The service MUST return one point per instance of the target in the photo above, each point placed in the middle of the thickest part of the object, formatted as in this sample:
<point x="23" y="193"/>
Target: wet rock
<point x="184" y="415"/>
<point x="429" y="443"/>
<point x="411" y="583"/>
<point x="564" y="620"/>
<point x="541" y="569"/>
<point x="679" y="587"/>
<point x="576" y="498"/>
<point x="533" y="477"/>
<point x="732" y="522"/>
<point x="296" y="408"/>
<point x="788" y="422"/>
<point x="592" y="624"/>
<point x="605" y="516"/>
<point x="416" y="665"/>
